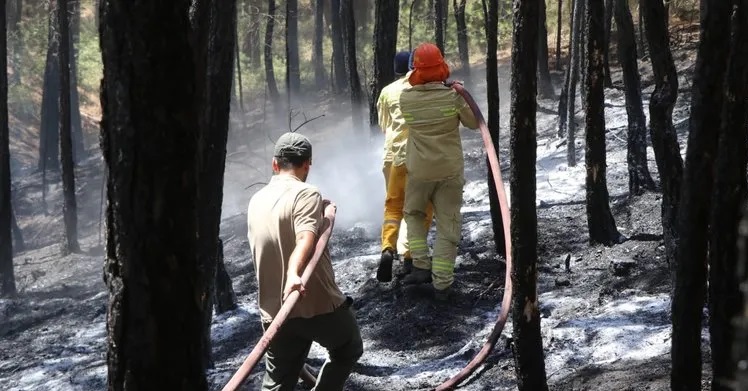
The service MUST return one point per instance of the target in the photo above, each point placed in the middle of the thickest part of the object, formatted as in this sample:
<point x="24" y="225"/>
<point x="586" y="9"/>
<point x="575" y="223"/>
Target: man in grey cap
<point x="284" y="221"/>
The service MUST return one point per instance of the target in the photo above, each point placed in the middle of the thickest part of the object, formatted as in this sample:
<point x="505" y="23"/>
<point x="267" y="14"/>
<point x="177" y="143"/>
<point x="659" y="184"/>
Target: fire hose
<point x="488" y="346"/>
<point x="506" y="301"/>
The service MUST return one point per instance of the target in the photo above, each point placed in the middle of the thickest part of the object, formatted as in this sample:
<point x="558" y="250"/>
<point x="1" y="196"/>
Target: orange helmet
<point x="428" y="65"/>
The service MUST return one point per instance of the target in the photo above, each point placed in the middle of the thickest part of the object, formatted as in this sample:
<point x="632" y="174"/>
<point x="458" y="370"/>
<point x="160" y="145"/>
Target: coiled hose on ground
<point x="480" y="357"/>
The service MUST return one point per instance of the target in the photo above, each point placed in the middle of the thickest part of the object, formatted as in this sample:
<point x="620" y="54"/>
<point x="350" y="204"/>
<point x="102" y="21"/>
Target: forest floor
<point x="605" y="310"/>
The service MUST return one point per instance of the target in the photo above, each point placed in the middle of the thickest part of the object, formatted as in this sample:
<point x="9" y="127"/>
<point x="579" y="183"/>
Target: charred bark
<point x="69" y="208"/>
<point x="268" y="54"/>
<point x="439" y="24"/>
<point x="252" y="42"/>
<point x="740" y="347"/>
<point x="609" y="4"/>
<point x="150" y="146"/>
<point x="18" y="243"/>
<point x="558" y="35"/>
<point x="7" y="279"/>
<point x="575" y="67"/>
<point x="15" y="38"/>
<point x="563" y="99"/>
<point x="225" y="299"/>
<point x="491" y="15"/>
<point x="600" y="222"/>
<point x="385" y="46"/>
<point x="463" y="46"/>
<point x="318" y="57"/>
<point x="338" y="47"/>
<point x="545" y="86"/>
<point x="212" y="154"/>
<point x="293" y="74"/>
<point x="698" y="179"/>
<point x="528" y="345"/>
<point x="729" y="194"/>
<point x="349" y="33"/>
<point x="636" y="155"/>
<point x="661" y="131"/>
<point x="49" y="157"/>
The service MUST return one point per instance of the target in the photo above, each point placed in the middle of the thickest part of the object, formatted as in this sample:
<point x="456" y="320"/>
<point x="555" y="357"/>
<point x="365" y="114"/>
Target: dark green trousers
<point x="337" y="332"/>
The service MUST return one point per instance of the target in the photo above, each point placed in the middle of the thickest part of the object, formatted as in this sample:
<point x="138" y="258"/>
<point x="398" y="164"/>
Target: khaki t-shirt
<point x="275" y="215"/>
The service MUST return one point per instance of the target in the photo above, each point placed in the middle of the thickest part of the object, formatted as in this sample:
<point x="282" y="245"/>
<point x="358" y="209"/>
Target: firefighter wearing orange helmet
<point x="434" y="160"/>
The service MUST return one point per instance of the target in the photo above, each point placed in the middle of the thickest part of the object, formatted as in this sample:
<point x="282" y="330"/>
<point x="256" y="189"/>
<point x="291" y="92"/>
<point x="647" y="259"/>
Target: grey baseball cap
<point x="293" y="145"/>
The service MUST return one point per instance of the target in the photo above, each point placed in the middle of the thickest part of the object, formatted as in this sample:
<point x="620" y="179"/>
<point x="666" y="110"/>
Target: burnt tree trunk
<point x="268" y="54"/>
<point x="439" y="19"/>
<point x="698" y="179"/>
<point x="600" y="222"/>
<point x="338" y="47"/>
<point x="636" y="155"/>
<point x="725" y="301"/>
<point x="79" y="147"/>
<point x="7" y="279"/>
<point x="49" y="157"/>
<point x="545" y="86"/>
<point x="575" y="66"/>
<point x="491" y="16"/>
<point x="349" y="33"/>
<point x="385" y="46"/>
<point x="558" y="35"/>
<point x="212" y="155"/>
<point x="609" y="4"/>
<point x="563" y="99"/>
<point x="740" y="347"/>
<point x="661" y="129"/>
<point x="293" y="75"/>
<point x="15" y="38"/>
<point x="69" y="208"/>
<point x="225" y="298"/>
<point x="318" y="56"/>
<point x="528" y="343"/>
<point x="642" y="42"/>
<point x="463" y="46"/>
<point x="18" y="244"/>
<point x="149" y="141"/>
<point x="252" y="42"/>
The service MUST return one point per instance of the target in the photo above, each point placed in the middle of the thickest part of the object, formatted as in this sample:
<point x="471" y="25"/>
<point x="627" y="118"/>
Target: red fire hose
<point x="488" y="346"/>
<point x="249" y="363"/>
<point x="506" y="301"/>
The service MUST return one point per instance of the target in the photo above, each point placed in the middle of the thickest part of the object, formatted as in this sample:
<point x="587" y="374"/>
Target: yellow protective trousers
<point x="446" y="196"/>
<point x="395" y="178"/>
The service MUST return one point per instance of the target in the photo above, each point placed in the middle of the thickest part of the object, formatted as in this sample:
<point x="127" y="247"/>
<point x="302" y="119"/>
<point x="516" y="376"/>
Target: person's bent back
<point x="284" y="221"/>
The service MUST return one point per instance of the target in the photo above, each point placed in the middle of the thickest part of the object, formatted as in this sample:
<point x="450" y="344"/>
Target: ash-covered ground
<point x="605" y="310"/>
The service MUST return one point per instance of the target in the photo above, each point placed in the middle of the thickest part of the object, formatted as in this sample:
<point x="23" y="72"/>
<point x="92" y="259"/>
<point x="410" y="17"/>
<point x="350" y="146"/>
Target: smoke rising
<point x="346" y="167"/>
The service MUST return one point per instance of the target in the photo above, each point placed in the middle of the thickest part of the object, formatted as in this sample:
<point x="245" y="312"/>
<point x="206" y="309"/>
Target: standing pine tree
<point x="528" y="346"/>
<point x="600" y="222"/>
<point x="7" y="279"/>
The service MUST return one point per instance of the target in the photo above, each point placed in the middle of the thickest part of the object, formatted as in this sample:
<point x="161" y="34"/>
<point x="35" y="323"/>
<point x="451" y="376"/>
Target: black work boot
<point x="384" y="271"/>
<point x="442" y="294"/>
<point x="418" y="276"/>
<point x="407" y="265"/>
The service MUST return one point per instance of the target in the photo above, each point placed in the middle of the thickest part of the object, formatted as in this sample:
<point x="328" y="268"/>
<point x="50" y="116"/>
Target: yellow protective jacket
<point x="433" y="113"/>
<point x="392" y="123"/>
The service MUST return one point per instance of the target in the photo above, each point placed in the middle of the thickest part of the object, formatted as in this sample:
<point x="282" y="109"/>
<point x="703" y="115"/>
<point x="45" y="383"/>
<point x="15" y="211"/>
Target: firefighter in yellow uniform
<point x="433" y="113"/>
<point x="395" y="174"/>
